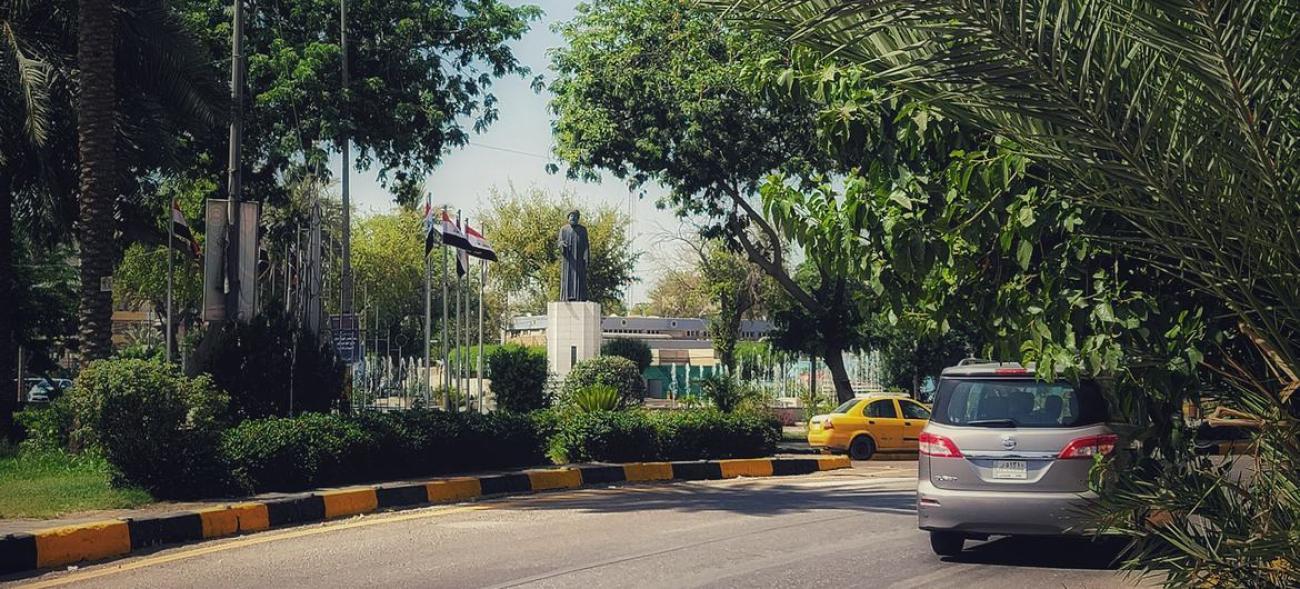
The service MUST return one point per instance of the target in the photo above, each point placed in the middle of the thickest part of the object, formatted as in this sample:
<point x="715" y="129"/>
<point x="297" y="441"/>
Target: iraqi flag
<point x="181" y="229"/>
<point x="478" y="245"/>
<point x="462" y="253"/>
<point x="430" y="236"/>
<point x="451" y="234"/>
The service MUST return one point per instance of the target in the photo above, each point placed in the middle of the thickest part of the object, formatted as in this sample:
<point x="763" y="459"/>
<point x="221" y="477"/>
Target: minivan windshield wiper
<point x="993" y="423"/>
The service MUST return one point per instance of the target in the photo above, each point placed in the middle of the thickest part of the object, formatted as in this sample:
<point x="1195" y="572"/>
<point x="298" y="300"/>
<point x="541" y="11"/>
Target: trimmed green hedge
<point x="166" y="433"/>
<point x="626" y="436"/>
<point x="312" y="450"/>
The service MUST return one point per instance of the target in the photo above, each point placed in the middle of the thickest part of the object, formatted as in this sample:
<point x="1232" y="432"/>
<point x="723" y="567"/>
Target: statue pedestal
<point x="572" y="335"/>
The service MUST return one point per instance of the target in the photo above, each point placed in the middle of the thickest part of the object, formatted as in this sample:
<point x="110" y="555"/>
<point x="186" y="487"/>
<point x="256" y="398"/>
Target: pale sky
<point x="516" y="149"/>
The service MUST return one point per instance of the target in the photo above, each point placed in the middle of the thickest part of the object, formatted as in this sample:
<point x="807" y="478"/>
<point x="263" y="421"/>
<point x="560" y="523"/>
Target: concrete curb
<point x="61" y="546"/>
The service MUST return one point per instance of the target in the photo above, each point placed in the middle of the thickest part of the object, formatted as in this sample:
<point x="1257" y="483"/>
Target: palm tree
<point x="167" y="87"/>
<point x="1179" y="116"/>
<point x="97" y="150"/>
<point x="33" y="52"/>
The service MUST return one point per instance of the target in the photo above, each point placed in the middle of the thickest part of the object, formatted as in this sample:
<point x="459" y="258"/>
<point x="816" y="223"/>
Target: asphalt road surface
<point x="852" y="528"/>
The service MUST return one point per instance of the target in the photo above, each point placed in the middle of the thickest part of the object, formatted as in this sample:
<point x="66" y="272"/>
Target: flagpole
<point x="461" y="373"/>
<point x="482" y="276"/>
<point x="171" y="233"/>
<point x="460" y="330"/>
<point x="428" y="312"/>
<point x="456" y="328"/>
<point x="446" y="365"/>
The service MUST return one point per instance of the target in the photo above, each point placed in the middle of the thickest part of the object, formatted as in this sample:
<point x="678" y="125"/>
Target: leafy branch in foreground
<point x="1179" y="120"/>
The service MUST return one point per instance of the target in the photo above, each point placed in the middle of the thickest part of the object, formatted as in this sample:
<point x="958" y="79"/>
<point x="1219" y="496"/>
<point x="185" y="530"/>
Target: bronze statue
<point x="574" y="251"/>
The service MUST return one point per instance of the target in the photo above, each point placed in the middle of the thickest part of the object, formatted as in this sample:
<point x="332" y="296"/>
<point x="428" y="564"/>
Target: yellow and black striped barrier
<point x="61" y="546"/>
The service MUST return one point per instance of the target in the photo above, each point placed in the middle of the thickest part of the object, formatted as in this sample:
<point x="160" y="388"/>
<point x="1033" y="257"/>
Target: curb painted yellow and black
<point x="54" y="547"/>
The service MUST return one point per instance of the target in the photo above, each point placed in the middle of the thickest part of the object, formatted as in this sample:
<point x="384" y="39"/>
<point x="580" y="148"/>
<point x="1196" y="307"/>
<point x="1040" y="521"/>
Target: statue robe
<point x="573" y="263"/>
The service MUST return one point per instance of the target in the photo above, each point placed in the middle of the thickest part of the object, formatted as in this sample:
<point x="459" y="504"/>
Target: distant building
<point x="680" y="346"/>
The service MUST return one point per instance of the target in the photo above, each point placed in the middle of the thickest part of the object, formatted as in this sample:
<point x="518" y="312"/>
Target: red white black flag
<point x="478" y="245"/>
<point x="430" y="235"/>
<point x="451" y="233"/>
<point x="181" y="229"/>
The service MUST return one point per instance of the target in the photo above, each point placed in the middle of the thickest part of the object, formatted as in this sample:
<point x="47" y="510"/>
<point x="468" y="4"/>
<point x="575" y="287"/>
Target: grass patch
<point x="50" y="484"/>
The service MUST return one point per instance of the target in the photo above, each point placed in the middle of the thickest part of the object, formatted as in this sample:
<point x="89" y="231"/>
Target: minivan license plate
<point x="1010" y="469"/>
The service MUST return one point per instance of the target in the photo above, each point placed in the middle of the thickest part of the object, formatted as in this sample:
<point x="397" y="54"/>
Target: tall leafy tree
<point x="679" y="292"/>
<point x="421" y="80"/>
<point x="656" y="91"/>
<point x="1177" y="119"/>
<point x="163" y="88"/>
<point x="32" y="53"/>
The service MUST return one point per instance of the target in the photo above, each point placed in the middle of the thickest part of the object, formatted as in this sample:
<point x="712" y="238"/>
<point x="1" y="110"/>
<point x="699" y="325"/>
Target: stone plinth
<point x="572" y="334"/>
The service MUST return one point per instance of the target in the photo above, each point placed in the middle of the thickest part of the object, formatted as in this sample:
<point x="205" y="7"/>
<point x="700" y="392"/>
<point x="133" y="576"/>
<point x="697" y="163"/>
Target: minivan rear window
<point x="1020" y="402"/>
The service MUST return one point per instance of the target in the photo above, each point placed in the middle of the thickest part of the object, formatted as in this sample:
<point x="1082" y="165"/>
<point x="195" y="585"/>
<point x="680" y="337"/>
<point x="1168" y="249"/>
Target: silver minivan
<point x="1007" y="454"/>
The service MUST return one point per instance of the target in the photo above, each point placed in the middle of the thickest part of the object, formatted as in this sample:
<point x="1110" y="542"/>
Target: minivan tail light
<point x="1010" y="371"/>
<point x="937" y="446"/>
<point x="1090" y="446"/>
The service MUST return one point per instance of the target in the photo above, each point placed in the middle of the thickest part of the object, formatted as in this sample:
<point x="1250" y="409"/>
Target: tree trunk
<point x="9" y="391"/>
<point x="834" y="358"/>
<point x="97" y="154"/>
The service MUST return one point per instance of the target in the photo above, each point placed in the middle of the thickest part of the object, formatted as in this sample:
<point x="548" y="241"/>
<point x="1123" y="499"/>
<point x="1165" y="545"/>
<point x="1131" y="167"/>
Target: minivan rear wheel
<point x="862" y="448"/>
<point x="947" y="543"/>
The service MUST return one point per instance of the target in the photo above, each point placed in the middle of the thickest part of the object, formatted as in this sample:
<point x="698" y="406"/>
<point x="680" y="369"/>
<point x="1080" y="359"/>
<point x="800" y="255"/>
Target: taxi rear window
<point x="846" y="406"/>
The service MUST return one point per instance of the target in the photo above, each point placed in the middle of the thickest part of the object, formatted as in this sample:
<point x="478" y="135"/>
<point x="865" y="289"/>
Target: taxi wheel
<point x="862" y="448"/>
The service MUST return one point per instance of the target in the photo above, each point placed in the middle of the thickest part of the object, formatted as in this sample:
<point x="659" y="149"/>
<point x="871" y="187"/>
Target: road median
<point x="101" y="540"/>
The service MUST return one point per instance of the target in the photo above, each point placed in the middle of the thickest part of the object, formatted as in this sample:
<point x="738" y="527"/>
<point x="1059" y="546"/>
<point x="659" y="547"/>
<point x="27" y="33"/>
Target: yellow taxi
<point x="869" y="424"/>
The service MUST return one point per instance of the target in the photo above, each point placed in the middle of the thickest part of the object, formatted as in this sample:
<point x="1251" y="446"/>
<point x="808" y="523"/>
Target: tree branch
<point x="777" y="272"/>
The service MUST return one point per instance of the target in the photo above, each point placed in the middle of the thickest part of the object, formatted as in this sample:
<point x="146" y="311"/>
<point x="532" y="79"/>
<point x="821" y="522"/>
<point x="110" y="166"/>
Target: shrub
<point x="518" y="378"/>
<point x="158" y="429"/>
<point x="614" y="371"/>
<point x="46" y="428"/>
<point x="708" y="434"/>
<point x="260" y="362"/>
<point x="289" y="453"/>
<point x="603" y="436"/>
<point x="313" y="450"/>
<point x="727" y="394"/>
<point x="633" y="349"/>
<point x="597" y="397"/>
<point x="669" y="435"/>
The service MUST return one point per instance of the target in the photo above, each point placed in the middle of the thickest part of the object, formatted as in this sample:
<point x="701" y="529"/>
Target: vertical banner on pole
<point x="171" y="236"/>
<point x="214" y="249"/>
<point x="249" y="232"/>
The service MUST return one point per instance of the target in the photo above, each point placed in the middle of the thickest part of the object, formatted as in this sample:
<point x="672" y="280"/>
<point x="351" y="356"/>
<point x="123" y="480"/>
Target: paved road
<point x="852" y="528"/>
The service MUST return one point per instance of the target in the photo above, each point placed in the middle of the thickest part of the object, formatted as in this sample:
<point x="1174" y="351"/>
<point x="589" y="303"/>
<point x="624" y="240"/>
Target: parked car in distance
<point x="888" y="422"/>
<point x="1008" y="454"/>
<point x="45" y="390"/>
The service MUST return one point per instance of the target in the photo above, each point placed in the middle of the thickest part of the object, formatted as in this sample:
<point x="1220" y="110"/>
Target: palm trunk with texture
<point x="97" y="153"/>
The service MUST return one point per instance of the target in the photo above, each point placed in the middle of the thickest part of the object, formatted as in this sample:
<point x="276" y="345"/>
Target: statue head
<point x="573" y="217"/>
